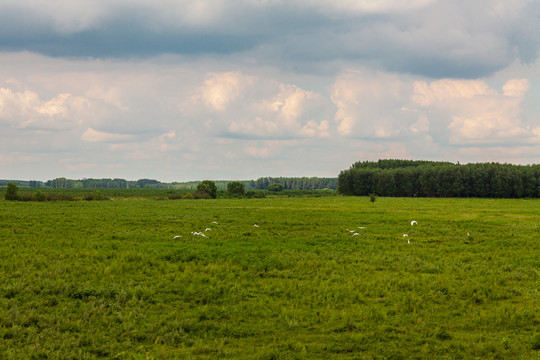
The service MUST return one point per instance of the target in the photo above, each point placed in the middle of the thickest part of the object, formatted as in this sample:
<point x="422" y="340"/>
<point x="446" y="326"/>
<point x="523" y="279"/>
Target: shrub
<point x="59" y="197"/>
<point x="25" y="197"/>
<point x="236" y="189"/>
<point x="257" y="194"/>
<point x="97" y="195"/>
<point x="201" y="195"/>
<point x="187" y="196"/>
<point x="11" y="192"/>
<point x="275" y="187"/>
<point x="209" y="187"/>
<point x="39" y="196"/>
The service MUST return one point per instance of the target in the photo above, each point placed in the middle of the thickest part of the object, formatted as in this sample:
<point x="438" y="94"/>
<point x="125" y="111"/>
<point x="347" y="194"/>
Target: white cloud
<point x="220" y="89"/>
<point x="292" y="112"/>
<point x="258" y="152"/>
<point x="5" y="161"/>
<point x="476" y="113"/>
<point x="256" y="127"/>
<point x="371" y="105"/>
<point x="448" y="89"/>
<point x="503" y="154"/>
<point x="175" y="118"/>
<point x="55" y="106"/>
<point x="289" y="103"/>
<point x="25" y="109"/>
<point x="420" y="126"/>
<point x="312" y="128"/>
<point x="516" y="87"/>
<point x="17" y="105"/>
<point x="167" y="142"/>
<point x="369" y="6"/>
<point x="91" y="135"/>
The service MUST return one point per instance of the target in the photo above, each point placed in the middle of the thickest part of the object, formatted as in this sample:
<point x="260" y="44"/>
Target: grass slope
<point x="107" y="280"/>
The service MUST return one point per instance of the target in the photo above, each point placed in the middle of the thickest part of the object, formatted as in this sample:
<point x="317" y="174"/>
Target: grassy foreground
<point x="109" y="280"/>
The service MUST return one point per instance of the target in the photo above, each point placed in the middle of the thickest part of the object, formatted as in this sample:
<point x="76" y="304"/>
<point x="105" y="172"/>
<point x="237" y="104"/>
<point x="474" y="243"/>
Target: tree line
<point x="440" y="179"/>
<point x="288" y="183"/>
<point x="63" y="183"/>
<point x="297" y="183"/>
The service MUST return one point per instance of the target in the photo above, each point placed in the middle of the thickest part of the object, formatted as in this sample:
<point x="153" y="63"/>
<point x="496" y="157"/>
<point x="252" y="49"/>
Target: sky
<point x="179" y="90"/>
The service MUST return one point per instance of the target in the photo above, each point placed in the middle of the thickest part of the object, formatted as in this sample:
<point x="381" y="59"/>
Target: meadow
<point x="129" y="279"/>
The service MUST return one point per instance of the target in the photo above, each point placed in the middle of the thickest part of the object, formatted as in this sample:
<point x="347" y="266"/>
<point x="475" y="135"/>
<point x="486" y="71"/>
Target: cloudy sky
<point x="180" y="90"/>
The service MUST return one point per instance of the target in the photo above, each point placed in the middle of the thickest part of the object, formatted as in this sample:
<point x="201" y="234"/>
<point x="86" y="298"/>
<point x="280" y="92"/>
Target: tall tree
<point x="236" y="189"/>
<point x="11" y="192"/>
<point x="209" y="187"/>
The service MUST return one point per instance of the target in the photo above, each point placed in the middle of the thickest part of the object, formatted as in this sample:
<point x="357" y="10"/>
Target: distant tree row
<point x="297" y="183"/>
<point x="99" y="183"/>
<point x="288" y="183"/>
<point x="440" y="179"/>
<point x="64" y="183"/>
<point x="23" y="183"/>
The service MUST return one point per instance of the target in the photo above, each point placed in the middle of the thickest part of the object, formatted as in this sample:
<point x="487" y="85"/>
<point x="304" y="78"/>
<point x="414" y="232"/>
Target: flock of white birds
<point x="354" y="232"/>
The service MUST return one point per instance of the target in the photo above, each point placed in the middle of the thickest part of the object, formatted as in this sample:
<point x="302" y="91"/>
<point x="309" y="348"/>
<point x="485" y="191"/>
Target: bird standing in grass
<point x="407" y="236"/>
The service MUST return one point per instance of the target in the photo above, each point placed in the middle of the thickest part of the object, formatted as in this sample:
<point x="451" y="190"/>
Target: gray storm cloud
<point x="456" y="39"/>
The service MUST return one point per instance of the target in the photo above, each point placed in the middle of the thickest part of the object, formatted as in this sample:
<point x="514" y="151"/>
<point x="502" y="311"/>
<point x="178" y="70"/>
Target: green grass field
<point x="109" y="280"/>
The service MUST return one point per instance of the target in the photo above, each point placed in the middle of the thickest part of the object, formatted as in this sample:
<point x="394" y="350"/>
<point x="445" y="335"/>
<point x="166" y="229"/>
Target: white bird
<point x="361" y="227"/>
<point x="213" y="222"/>
<point x="207" y="229"/>
<point x="177" y="236"/>
<point x="355" y="234"/>
<point x="256" y="225"/>
<point x="351" y="231"/>
<point x="407" y="236"/>
<point x="413" y="222"/>
<point x="198" y="233"/>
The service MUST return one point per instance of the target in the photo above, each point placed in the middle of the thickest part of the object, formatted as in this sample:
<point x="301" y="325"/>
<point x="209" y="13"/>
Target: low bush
<point x="201" y="195"/>
<point x="256" y="194"/>
<point x="25" y="197"/>
<point x="59" y="197"/>
<point x="39" y="196"/>
<point x="176" y="196"/>
<point x="275" y="187"/>
<point x="97" y="196"/>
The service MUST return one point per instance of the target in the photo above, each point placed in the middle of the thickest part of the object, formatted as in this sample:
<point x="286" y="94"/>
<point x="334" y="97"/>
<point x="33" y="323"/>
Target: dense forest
<point x="298" y="183"/>
<point x="440" y="179"/>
